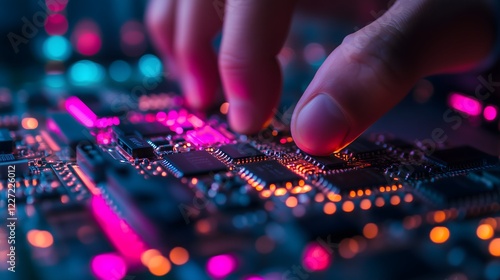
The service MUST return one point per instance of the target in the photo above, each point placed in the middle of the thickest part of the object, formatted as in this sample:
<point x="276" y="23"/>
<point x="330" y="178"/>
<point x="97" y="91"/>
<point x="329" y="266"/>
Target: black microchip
<point x="135" y="146"/>
<point x="363" y="149"/>
<point x="458" y="191"/>
<point x="367" y="178"/>
<point x="328" y="162"/>
<point x="464" y="157"/>
<point x="269" y="172"/>
<point x="64" y="127"/>
<point x="145" y="130"/>
<point x="240" y="153"/>
<point x="193" y="163"/>
<point x="6" y="141"/>
<point x="6" y="157"/>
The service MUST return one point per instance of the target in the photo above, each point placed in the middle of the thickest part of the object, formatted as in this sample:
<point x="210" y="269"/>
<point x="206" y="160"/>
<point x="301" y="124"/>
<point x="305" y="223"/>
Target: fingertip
<point x="320" y="127"/>
<point x="246" y="118"/>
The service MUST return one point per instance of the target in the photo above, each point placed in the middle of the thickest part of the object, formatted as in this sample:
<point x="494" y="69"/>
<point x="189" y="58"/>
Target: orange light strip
<point x="52" y="144"/>
<point x="87" y="181"/>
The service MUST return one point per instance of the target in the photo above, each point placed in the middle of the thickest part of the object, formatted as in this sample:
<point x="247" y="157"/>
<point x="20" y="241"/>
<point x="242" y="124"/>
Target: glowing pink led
<point x="108" y="266"/>
<point x="254" y="277"/>
<point x="124" y="239"/>
<point x="86" y="37"/>
<point x="465" y="104"/>
<point x="490" y="113"/>
<point x="161" y="116"/>
<point x="221" y="266"/>
<point x="80" y="111"/>
<point x="315" y="257"/>
<point x="56" y="6"/>
<point x="56" y="24"/>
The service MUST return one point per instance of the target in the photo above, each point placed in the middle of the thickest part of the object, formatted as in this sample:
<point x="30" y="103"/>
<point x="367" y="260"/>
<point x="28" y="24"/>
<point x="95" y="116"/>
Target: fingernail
<point x="320" y="126"/>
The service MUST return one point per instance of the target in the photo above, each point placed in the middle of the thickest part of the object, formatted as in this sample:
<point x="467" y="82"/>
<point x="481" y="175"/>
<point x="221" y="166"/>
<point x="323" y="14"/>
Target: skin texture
<point x="362" y="79"/>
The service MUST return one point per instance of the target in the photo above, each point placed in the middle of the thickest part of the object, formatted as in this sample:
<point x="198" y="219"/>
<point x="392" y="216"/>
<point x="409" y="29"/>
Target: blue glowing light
<point x="55" y="80"/>
<point x="120" y="71"/>
<point x="56" y="48"/>
<point x="150" y="66"/>
<point x="86" y="72"/>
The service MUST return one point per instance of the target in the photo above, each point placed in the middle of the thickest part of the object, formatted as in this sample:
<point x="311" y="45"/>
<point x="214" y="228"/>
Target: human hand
<point x="363" y="78"/>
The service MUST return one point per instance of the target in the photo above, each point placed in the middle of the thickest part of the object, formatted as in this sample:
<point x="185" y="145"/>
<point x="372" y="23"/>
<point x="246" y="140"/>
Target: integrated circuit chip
<point x="193" y="163"/>
<point x="135" y="146"/>
<point x="6" y="141"/>
<point x="361" y="179"/>
<point x="328" y="162"/>
<point x="65" y="128"/>
<point x="269" y="172"/>
<point x="458" y="191"/>
<point x="363" y="149"/>
<point x="464" y="157"/>
<point x="240" y="153"/>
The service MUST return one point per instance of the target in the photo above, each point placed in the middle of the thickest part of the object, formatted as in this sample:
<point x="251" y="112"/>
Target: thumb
<point x="374" y="68"/>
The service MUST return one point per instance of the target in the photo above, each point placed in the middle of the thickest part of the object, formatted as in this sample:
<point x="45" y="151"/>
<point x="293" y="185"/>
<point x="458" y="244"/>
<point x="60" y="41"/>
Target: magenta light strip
<point x="80" y="111"/>
<point x="465" y="104"/>
<point x="124" y="239"/>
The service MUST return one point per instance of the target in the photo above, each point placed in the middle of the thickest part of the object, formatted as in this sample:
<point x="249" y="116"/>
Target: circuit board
<point x="163" y="192"/>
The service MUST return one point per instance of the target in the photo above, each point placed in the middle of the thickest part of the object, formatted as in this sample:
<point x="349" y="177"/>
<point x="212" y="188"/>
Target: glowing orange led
<point x="280" y="192"/>
<point x="179" y="256"/>
<point x="29" y="123"/>
<point x="352" y="194"/>
<point x="334" y="197"/>
<point x="408" y="198"/>
<point x="329" y="208"/>
<point x="319" y="197"/>
<point x="348" y="206"/>
<point x="439" y="216"/>
<point x="439" y="235"/>
<point x="395" y="200"/>
<point x="370" y="230"/>
<point x="291" y="201"/>
<point x="40" y="238"/>
<point x="494" y="247"/>
<point x="360" y="192"/>
<point x="368" y="192"/>
<point x="485" y="231"/>
<point x="379" y="201"/>
<point x="365" y="204"/>
<point x="148" y="255"/>
<point x="158" y="265"/>
<point x="224" y="108"/>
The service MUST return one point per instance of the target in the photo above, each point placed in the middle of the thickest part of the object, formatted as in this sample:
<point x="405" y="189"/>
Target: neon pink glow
<point x="56" y="6"/>
<point x="465" y="104"/>
<point x="490" y="113"/>
<point x="104" y="138"/>
<point x="108" y="266"/>
<point x="88" y="43"/>
<point x="107" y="121"/>
<point x="86" y="116"/>
<point x="315" y="257"/>
<point x="205" y="136"/>
<point x="56" y="24"/>
<point x="221" y="266"/>
<point x="124" y="239"/>
<point x="80" y="111"/>
<point x="254" y="277"/>
<point x="283" y="141"/>
<point x="150" y="118"/>
<point x="161" y="116"/>
<point x="52" y="126"/>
